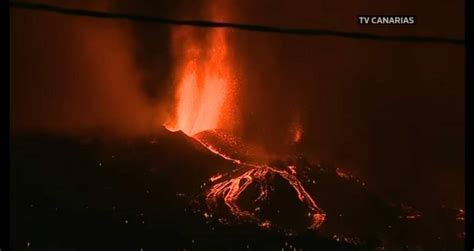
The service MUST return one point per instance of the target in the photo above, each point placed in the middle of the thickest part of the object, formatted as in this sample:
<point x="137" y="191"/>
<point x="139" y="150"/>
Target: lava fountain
<point x="205" y="83"/>
<point x="205" y="100"/>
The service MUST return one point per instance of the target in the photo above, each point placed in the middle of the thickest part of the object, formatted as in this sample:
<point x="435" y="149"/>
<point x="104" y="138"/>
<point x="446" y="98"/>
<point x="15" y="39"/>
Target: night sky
<point x="391" y="112"/>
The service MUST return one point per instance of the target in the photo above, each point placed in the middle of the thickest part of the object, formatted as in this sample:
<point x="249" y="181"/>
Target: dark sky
<point x="392" y="112"/>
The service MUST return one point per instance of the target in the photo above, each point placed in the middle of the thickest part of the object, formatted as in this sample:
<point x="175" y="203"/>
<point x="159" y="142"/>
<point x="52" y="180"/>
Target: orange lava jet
<point x="205" y="83"/>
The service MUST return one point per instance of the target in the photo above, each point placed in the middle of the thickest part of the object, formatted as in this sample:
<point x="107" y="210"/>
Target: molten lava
<point x="205" y="83"/>
<point x="230" y="187"/>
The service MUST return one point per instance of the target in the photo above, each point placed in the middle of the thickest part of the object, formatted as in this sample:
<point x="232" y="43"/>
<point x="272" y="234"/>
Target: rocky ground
<point x="148" y="194"/>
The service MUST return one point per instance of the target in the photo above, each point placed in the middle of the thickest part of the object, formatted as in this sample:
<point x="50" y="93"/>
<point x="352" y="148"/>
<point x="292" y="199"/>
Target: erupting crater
<point x="205" y="92"/>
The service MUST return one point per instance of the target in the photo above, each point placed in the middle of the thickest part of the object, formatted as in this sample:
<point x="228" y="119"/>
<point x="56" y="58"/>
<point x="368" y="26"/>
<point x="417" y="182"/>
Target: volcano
<point x="164" y="191"/>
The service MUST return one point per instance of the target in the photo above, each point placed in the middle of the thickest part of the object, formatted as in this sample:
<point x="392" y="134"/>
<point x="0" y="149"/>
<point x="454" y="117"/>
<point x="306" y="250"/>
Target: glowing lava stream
<point x="231" y="188"/>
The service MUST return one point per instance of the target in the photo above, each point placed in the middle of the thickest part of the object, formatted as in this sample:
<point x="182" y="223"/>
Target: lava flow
<point x="230" y="187"/>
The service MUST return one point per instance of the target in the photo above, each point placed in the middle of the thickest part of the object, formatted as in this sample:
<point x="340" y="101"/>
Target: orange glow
<point x="205" y="83"/>
<point x="215" y="177"/>
<point x="461" y="215"/>
<point x="341" y="173"/>
<point x="296" y="131"/>
<point x="297" y="135"/>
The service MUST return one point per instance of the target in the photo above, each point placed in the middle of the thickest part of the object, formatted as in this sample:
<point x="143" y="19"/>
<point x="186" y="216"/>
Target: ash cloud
<point x="76" y="75"/>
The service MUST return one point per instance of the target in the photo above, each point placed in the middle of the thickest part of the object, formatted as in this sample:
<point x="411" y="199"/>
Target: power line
<point x="247" y="27"/>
